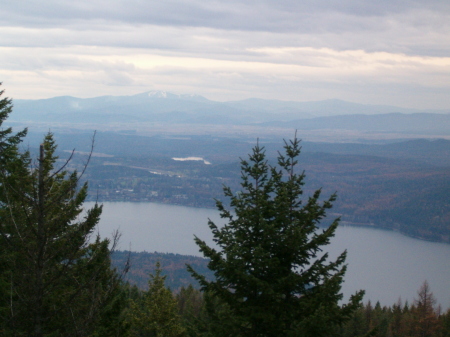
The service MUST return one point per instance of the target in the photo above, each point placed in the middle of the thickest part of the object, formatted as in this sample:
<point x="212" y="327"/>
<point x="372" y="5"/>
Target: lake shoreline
<point x="393" y="227"/>
<point x="385" y="263"/>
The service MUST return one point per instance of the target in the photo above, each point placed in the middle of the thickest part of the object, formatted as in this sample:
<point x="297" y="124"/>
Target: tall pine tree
<point x="9" y="143"/>
<point x="55" y="278"/>
<point x="270" y="271"/>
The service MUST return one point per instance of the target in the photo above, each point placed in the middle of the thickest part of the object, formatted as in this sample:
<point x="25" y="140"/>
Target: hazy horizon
<point x="231" y="100"/>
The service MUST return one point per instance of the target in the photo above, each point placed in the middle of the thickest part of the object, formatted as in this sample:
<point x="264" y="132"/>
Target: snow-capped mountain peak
<point x="158" y="94"/>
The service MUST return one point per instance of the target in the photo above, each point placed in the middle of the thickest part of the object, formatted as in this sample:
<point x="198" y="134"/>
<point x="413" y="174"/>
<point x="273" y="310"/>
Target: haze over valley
<point x="162" y="113"/>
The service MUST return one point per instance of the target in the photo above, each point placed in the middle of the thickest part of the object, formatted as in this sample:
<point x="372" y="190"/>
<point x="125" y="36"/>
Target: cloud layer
<point x="381" y="52"/>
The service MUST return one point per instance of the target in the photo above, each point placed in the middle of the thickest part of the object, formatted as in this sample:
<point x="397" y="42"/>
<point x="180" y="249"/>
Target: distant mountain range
<point x="165" y="107"/>
<point x="401" y="185"/>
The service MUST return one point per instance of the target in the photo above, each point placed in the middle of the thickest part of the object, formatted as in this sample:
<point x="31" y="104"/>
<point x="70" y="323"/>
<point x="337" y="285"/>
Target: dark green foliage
<point x="155" y="314"/>
<point x="200" y="311"/>
<point x="8" y="141"/>
<point x="112" y="320"/>
<point x="55" y="279"/>
<point x="271" y="275"/>
<point x="445" y="321"/>
<point x="190" y="302"/>
<point x="8" y="154"/>
<point x="59" y="281"/>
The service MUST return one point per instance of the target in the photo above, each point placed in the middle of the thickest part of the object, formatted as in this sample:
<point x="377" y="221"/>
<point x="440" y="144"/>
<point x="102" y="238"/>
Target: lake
<point x="387" y="264"/>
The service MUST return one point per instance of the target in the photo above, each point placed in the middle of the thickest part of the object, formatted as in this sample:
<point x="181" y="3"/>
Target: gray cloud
<point x="281" y="16"/>
<point x="408" y="26"/>
<point x="284" y="49"/>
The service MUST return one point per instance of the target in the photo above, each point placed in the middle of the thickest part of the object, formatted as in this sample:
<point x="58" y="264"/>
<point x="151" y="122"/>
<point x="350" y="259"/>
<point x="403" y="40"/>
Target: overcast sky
<point x="394" y="52"/>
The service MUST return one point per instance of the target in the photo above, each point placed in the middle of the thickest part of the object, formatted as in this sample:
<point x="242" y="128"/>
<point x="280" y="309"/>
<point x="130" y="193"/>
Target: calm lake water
<point x="388" y="265"/>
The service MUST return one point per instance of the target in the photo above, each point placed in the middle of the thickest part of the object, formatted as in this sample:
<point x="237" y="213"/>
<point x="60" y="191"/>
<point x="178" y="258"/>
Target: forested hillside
<point x="377" y="185"/>
<point x="173" y="266"/>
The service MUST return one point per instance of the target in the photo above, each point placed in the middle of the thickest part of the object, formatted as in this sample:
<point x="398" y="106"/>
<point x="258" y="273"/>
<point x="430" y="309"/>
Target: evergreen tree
<point x="157" y="312"/>
<point x="269" y="266"/>
<point x="445" y="322"/>
<point x="8" y="140"/>
<point x="190" y="303"/>
<point x="9" y="143"/>
<point x="190" y="307"/>
<point x="55" y="280"/>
